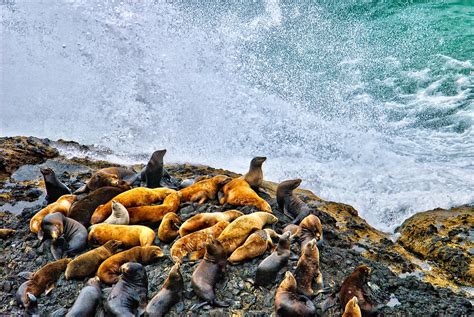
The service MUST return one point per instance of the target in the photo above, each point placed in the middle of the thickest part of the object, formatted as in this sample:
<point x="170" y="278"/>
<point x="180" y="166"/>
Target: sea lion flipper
<point x="50" y="288"/>
<point x="25" y="275"/>
<point x="57" y="249"/>
<point x="220" y="304"/>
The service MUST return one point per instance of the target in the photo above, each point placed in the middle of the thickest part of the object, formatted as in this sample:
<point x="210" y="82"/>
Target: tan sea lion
<point x="239" y="193"/>
<point x="352" y="308"/>
<point x="110" y="176"/>
<point x="54" y="187"/>
<point x="62" y="205"/>
<point x="254" y="176"/>
<point x="238" y="231"/>
<point x="354" y="285"/>
<point x="288" y="303"/>
<point x="87" y="263"/>
<point x="295" y="230"/>
<point x="307" y="270"/>
<point x="88" y="300"/>
<point x="203" y="190"/>
<point x="119" y="215"/>
<point x="154" y="214"/>
<point x="206" y="220"/>
<point x="109" y="270"/>
<point x="169" y="227"/>
<point x="5" y="233"/>
<point x="268" y="269"/>
<point x="140" y="196"/>
<point x="255" y="245"/>
<point x="194" y="244"/>
<point x="289" y="203"/>
<point x="129" y="235"/>
<point x="311" y="228"/>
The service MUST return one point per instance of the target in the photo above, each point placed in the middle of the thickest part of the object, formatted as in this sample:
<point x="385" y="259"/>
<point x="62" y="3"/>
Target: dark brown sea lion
<point x="239" y="193"/>
<point x="88" y="300"/>
<point x="267" y="270"/>
<point x="153" y="172"/>
<point x="255" y="245"/>
<point x="355" y="285"/>
<point x="208" y="272"/>
<point x="169" y="226"/>
<point x="130" y="236"/>
<point x="207" y="219"/>
<point x="110" y="176"/>
<point x="288" y="303"/>
<point x="289" y="203"/>
<point x="129" y="296"/>
<point x="307" y="270"/>
<point x="169" y="294"/>
<point x="204" y="190"/>
<point x="54" y="187"/>
<point x="62" y="205"/>
<point x="311" y="228"/>
<point x="68" y="236"/>
<point x="255" y="174"/>
<point x="5" y="233"/>
<point x="87" y="263"/>
<point x="352" y="308"/>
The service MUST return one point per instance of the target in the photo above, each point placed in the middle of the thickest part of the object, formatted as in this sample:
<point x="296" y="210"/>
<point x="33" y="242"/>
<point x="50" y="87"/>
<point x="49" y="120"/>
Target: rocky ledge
<point x="420" y="273"/>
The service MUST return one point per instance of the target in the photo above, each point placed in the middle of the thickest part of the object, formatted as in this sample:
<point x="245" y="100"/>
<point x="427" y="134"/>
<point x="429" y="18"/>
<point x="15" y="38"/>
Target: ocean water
<point x="370" y="102"/>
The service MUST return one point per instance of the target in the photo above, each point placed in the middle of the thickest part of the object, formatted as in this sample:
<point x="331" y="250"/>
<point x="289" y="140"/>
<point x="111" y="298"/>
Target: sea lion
<point x="169" y="227"/>
<point x="203" y="190"/>
<point x="140" y="196"/>
<point x="63" y="230"/>
<point x="194" y="244"/>
<point x="5" y="233"/>
<point x="206" y="220"/>
<point x="82" y="209"/>
<point x="62" y="205"/>
<point x="130" y="236"/>
<point x="289" y="203"/>
<point x="311" y="228"/>
<point x="255" y="245"/>
<point x="54" y="187"/>
<point x="295" y="230"/>
<point x="354" y="285"/>
<point x="119" y="215"/>
<point x="208" y="272"/>
<point x="288" y="303"/>
<point x="154" y="214"/>
<point x="307" y="270"/>
<point x="109" y="270"/>
<point x="352" y="308"/>
<point x="169" y="294"/>
<point x="128" y="297"/>
<point x="254" y="176"/>
<point x="121" y="177"/>
<point x="43" y="280"/>
<point x="88" y="300"/>
<point x="239" y="193"/>
<point x="238" y="231"/>
<point x="268" y="269"/>
<point x="87" y="264"/>
<point x="153" y="172"/>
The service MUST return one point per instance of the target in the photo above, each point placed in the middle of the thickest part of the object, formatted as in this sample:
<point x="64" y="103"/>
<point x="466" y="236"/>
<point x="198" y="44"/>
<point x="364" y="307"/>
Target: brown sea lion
<point x="129" y="296"/>
<point x="83" y="209"/>
<point x="311" y="228"/>
<point x="110" y="176"/>
<point x="307" y="270"/>
<point x="354" y="285"/>
<point x="288" y="303"/>
<point x="295" y="230"/>
<point x="88" y="300"/>
<point x="169" y="227"/>
<point x="5" y="233"/>
<point x="153" y="172"/>
<point x="43" y="280"/>
<point x="140" y="196"/>
<point x="109" y="270"/>
<point x="87" y="263"/>
<point x="268" y="269"/>
<point x="169" y="294"/>
<point x="352" y="308"/>
<point x="119" y="215"/>
<point x="206" y="220"/>
<point x="239" y="193"/>
<point x="130" y="236"/>
<point x="154" y="214"/>
<point x="194" y="244"/>
<point x="203" y="190"/>
<point x="238" y="231"/>
<point x="255" y="245"/>
<point x="62" y="205"/>
<point x="208" y="272"/>
<point x="254" y="176"/>
<point x="289" y="203"/>
<point x="54" y="187"/>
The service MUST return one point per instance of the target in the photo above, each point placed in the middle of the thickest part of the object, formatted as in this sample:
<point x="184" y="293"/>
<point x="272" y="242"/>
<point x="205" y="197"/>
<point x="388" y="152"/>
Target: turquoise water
<point x="370" y="102"/>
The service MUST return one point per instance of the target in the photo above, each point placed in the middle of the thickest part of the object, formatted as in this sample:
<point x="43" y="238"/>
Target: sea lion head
<point x="290" y="185"/>
<point x="132" y="271"/>
<point x="266" y="216"/>
<point x="311" y="251"/>
<point x="352" y="308"/>
<point x="312" y="225"/>
<point x="284" y="242"/>
<point x="288" y="284"/>
<point x="94" y="282"/>
<point x="362" y="274"/>
<point x="46" y="171"/>
<point x="232" y="214"/>
<point x="257" y="161"/>
<point x="158" y="155"/>
<point x="117" y="208"/>
<point x="152" y="253"/>
<point x="175" y="279"/>
<point x="214" y="251"/>
<point x="52" y="226"/>
<point x="113" y="245"/>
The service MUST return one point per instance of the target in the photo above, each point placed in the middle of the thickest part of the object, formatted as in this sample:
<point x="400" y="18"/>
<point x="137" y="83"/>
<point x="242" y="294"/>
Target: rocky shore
<point x="423" y="269"/>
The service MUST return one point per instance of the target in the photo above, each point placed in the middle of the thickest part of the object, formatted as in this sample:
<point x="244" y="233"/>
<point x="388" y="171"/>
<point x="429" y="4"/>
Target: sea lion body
<point x="194" y="244"/>
<point x="140" y="196"/>
<point x="109" y="270"/>
<point x="54" y="187"/>
<point x="254" y="176"/>
<point x="153" y="172"/>
<point x="288" y="303"/>
<point x="237" y="232"/>
<point x="129" y="235"/>
<point x="87" y="263"/>
<point x="352" y="308"/>
<point x="354" y="285"/>
<point x="130" y="292"/>
<point x="169" y="226"/>
<point x="119" y="215"/>
<point x="268" y="269"/>
<point x="289" y="203"/>
<point x="311" y="228"/>
<point x="295" y="230"/>
<point x="62" y="205"/>
<point x="207" y="219"/>
<point x="255" y="245"/>
<point x="204" y="190"/>
<point x="307" y="270"/>
<point x="109" y="176"/>
<point x="169" y="294"/>
<point x="88" y="300"/>
<point x="5" y="233"/>
<point x="239" y="193"/>
<point x="154" y="214"/>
